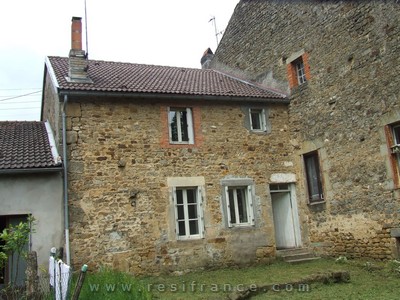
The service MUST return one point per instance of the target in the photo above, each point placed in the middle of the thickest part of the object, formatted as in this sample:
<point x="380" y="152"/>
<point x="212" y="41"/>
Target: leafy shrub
<point x="394" y="267"/>
<point x="341" y="260"/>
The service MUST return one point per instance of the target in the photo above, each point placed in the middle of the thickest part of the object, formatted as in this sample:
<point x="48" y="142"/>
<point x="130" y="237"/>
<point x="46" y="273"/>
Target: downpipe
<point x="65" y="159"/>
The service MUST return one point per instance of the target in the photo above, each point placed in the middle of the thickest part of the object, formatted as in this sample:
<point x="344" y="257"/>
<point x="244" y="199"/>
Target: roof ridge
<point x="254" y="84"/>
<point x="139" y="79"/>
<point x="133" y="63"/>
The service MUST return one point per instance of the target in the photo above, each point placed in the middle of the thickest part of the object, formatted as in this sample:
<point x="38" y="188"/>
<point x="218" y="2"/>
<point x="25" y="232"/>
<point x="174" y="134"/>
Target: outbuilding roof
<point x="108" y="76"/>
<point x="26" y="145"/>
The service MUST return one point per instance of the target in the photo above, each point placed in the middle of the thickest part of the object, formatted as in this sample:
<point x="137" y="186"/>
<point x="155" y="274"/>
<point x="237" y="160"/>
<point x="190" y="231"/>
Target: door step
<point x="296" y="255"/>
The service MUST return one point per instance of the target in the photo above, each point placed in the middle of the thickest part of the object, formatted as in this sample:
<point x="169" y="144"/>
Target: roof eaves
<point x="165" y="96"/>
<point x="31" y="170"/>
<point x="52" y="73"/>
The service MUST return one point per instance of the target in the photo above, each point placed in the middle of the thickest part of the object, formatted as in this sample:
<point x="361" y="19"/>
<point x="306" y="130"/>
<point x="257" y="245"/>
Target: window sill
<point x="316" y="202"/>
<point x="193" y="239"/>
<point x="244" y="226"/>
<point x="259" y="131"/>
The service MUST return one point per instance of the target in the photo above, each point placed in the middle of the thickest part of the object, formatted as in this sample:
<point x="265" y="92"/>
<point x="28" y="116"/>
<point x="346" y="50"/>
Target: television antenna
<point x="86" y="32"/>
<point x="215" y="29"/>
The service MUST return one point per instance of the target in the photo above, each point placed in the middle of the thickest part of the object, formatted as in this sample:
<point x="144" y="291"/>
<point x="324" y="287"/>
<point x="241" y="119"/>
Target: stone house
<point x="170" y="169"/>
<point x="339" y="62"/>
<point x="30" y="184"/>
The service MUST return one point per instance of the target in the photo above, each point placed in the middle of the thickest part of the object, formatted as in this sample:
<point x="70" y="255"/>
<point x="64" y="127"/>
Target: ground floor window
<point x="238" y="202"/>
<point x="393" y="140"/>
<point x="188" y="212"/>
<point x="313" y="177"/>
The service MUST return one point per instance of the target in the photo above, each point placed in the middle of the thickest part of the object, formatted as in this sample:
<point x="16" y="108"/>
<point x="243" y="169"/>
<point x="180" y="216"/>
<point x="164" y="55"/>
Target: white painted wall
<point x="40" y="195"/>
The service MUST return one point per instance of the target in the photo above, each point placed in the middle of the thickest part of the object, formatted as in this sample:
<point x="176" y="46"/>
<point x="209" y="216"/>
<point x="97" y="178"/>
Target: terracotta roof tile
<point x="25" y="145"/>
<point x="110" y="76"/>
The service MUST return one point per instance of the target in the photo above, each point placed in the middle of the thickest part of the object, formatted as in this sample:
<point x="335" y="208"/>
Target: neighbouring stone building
<point x="340" y="63"/>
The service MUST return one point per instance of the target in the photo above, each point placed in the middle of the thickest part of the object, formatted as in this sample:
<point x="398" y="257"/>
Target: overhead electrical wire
<point x="19" y="96"/>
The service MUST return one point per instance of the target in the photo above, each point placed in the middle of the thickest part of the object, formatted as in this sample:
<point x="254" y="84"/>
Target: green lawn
<point x="368" y="280"/>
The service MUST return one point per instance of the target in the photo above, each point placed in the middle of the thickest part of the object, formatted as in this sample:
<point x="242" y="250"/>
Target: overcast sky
<point x="157" y="32"/>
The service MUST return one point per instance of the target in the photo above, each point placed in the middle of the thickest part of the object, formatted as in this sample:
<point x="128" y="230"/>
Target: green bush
<point x="394" y="267"/>
<point x="114" y="285"/>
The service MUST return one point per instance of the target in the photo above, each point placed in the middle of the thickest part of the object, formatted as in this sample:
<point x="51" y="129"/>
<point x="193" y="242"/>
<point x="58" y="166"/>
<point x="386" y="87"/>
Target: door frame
<point x="290" y="189"/>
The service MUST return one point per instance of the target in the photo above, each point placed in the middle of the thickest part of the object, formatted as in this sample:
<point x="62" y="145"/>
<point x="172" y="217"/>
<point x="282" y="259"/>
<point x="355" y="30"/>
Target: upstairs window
<point x="393" y="139"/>
<point x="298" y="69"/>
<point x="257" y="119"/>
<point x="313" y="177"/>
<point x="180" y="122"/>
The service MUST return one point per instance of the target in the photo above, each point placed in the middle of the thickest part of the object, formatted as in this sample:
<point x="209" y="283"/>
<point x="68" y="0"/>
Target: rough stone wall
<point x="353" y="92"/>
<point x="117" y="147"/>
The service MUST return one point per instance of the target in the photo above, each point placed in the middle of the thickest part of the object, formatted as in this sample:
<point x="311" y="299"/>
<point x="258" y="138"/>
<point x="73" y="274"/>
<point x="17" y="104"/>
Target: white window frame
<point x="300" y="71"/>
<point x="199" y="210"/>
<point x="261" y="118"/>
<point x="189" y="120"/>
<point x="248" y="186"/>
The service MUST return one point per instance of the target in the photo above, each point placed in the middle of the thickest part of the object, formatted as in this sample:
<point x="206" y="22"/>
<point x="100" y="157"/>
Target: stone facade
<point x="121" y="171"/>
<point x="351" y="94"/>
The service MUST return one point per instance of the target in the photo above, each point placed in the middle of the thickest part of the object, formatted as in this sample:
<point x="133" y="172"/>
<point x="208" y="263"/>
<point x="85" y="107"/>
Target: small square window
<point x="188" y="212"/>
<point x="313" y="177"/>
<point x="180" y="125"/>
<point x="257" y="119"/>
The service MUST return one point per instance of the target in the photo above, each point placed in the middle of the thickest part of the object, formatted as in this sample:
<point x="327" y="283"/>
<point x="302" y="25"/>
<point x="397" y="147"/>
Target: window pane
<point x="242" y="205"/>
<point x="181" y="228"/>
<point x="255" y="115"/>
<point x="194" y="227"/>
<point x="181" y="212"/>
<point x="179" y="196"/>
<point x="173" y="125"/>
<point x="191" y="195"/>
<point x="396" y="134"/>
<point x="184" y="126"/>
<point x="232" y="206"/>
<point x="192" y="210"/>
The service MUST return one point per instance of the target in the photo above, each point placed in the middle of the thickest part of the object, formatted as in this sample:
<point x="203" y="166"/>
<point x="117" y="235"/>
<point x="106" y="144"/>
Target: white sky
<point x="157" y="32"/>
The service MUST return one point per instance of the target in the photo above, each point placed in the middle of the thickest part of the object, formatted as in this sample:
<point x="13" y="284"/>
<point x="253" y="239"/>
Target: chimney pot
<point x="206" y="59"/>
<point x="76" y="33"/>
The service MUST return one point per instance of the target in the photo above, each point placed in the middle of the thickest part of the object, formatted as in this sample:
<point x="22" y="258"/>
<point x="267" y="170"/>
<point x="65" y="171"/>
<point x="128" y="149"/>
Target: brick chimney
<point x="206" y="59"/>
<point x="78" y="63"/>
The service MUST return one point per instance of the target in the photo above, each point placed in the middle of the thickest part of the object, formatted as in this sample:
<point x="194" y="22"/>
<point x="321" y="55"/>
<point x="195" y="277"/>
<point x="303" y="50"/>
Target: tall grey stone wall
<point x="353" y="92"/>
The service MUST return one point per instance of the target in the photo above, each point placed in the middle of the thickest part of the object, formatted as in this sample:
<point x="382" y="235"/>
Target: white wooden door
<point x="283" y="220"/>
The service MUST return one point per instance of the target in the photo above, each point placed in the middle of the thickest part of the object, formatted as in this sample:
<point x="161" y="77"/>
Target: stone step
<point x="302" y="260"/>
<point x="296" y="255"/>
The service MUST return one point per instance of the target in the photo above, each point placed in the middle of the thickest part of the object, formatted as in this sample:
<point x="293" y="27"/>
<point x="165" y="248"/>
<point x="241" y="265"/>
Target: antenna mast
<point x="215" y="28"/>
<point x="87" y="44"/>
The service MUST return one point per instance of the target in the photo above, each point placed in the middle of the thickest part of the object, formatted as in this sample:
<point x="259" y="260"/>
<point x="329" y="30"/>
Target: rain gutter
<point x="165" y="96"/>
